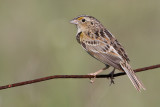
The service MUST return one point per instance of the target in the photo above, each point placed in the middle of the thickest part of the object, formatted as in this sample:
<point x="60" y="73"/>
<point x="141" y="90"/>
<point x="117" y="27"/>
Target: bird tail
<point x="132" y="76"/>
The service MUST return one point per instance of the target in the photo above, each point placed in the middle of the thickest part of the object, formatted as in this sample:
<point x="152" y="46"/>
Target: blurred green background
<point x="37" y="40"/>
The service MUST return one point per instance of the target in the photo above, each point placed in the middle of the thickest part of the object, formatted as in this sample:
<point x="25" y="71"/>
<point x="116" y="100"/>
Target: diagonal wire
<point x="73" y="76"/>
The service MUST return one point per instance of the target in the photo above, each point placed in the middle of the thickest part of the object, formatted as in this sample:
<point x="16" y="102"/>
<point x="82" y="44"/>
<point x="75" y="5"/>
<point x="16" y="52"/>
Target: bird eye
<point x="83" y="20"/>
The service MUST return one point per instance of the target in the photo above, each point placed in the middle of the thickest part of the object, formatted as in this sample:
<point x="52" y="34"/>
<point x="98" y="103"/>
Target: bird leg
<point x="111" y="76"/>
<point x="96" y="73"/>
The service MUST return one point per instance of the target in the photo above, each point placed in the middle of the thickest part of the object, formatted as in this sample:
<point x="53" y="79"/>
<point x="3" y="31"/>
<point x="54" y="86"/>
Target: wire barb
<point x="74" y="76"/>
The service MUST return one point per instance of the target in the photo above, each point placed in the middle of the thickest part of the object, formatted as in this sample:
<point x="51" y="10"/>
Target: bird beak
<point x="74" y="21"/>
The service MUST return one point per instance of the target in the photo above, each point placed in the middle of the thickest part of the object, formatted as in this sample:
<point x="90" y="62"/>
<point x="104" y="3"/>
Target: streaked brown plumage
<point x="103" y="46"/>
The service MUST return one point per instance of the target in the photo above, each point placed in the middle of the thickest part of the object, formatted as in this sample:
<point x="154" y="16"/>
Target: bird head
<point x="85" y="22"/>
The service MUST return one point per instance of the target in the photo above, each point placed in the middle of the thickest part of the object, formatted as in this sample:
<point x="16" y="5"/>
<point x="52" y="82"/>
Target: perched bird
<point x="103" y="46"/>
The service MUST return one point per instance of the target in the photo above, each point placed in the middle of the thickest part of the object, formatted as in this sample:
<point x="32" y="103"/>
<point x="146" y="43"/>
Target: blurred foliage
<point x="37" y="40"/>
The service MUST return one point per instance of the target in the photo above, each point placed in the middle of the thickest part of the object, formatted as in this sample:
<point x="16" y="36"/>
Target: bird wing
<point x="119" y="48"/>
<point x="102" y="51"/>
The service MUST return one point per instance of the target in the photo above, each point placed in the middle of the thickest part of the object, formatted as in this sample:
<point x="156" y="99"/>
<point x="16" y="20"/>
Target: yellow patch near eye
<point x="80" y="18"/>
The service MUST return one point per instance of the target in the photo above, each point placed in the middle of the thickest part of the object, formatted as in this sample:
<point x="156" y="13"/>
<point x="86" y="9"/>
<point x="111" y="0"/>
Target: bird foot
<point x="112" y="81"/>
<point x="92" y="80"/>
<point x="96" y="73"/>
<point x="111" y="77"/>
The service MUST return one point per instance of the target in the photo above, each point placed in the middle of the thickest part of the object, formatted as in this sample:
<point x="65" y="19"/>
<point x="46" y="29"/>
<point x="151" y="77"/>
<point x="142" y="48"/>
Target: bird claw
<point x="92" y="80"/>
<point x="112" y="81"/>
<point x="111" y="77"/>
<point x="96" y="73"/>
